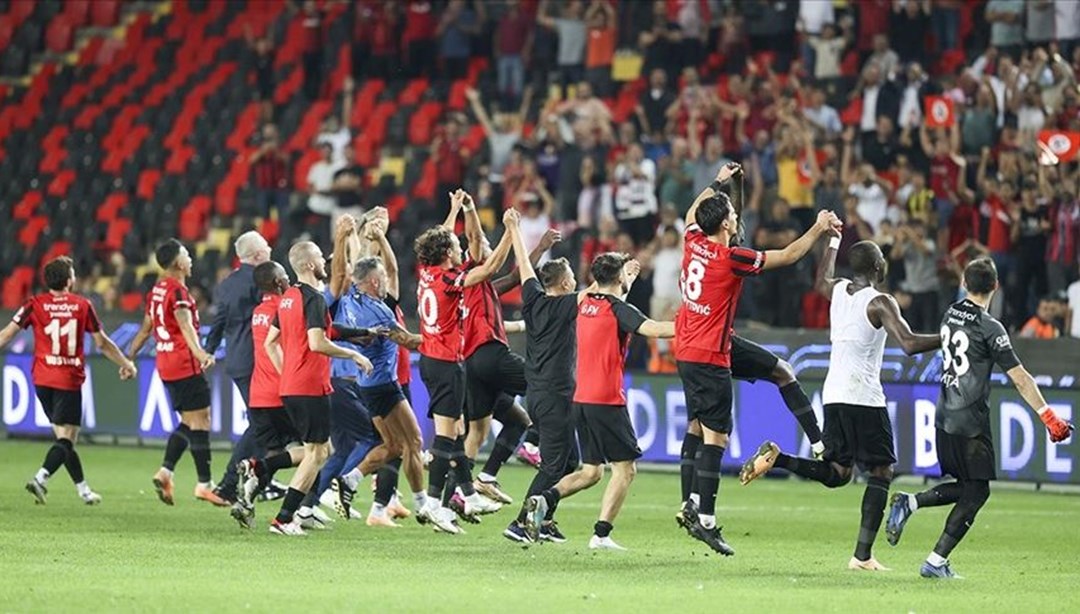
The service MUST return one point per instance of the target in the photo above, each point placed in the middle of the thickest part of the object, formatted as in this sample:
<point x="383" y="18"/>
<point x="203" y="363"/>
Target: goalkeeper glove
<point x="1059" y="429"/>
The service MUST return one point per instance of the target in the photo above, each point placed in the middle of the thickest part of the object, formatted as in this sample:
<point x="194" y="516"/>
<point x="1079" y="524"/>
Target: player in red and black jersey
<point x="711" y="280"/>
<point x="60" y="321"/>
<point x="442" y="280"/>
<point x="604" y="325"/>
<point x="172" y="317"/>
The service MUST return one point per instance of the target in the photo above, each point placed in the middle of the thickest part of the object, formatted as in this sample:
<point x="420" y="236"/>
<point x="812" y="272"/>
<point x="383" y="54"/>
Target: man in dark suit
<point x="235" y="299"/>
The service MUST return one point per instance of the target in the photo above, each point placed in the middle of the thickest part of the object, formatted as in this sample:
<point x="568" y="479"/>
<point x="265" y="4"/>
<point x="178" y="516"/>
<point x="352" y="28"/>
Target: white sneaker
<point x="481" y="506"/>
<point x="309" y="521"/>
<point x="290" y="529"/>
<point x="321" y="515"/>
<point x="90" y="497"/>
<point x="442" y="519"/>
<point x="327" y="499"/>
<point x="604" y="543"/>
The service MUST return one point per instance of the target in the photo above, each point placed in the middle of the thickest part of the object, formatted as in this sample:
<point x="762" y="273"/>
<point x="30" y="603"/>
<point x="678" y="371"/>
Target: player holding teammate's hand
<point x="1059" y="429"/>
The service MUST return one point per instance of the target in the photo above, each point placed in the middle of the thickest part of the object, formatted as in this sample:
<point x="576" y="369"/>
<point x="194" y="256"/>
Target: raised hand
<point x="551" y="237"/>
<point x="511" y="218"/>
<point x="728" y="171"/>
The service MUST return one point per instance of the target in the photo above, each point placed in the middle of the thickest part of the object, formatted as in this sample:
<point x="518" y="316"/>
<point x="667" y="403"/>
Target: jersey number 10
<point x="954" y="347"/>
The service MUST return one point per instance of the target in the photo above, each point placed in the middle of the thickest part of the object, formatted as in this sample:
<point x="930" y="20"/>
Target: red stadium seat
<point x="105" y="13"/>
<point x="21" y="9"/>
<point x="77" y="12"/>
<point x="7" y="29"/>
<point x="59" y="35"/>
<point x="17" y="286"/>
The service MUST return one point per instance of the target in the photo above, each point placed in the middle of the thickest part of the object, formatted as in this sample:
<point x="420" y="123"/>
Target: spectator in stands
<point x="312" y="20"/>
<point x="1041" y="325"/>
<point x="1072" y="316"/>
<point x="503" y="133"/>
<point x="883" y="57"/>
<point x="827" y="52"/>
<point x="536" y="208"/>
<point x="635" y="195"/>
<point x="919" y="255"/>
<point x="572" y="37"/>
<point x="1062" y="253"/>
<point x="600" y="45"/>
<point x="706" y="162"/>
<point x="381" y="30"/>
<point x="349" y="187"/>
<point x="693" y="18"/>
<point x="321" y="201"/>
<point x="1030" y="236"/>
<point x="822" y="117"/>
<point x="661" y="42"/>
<point x="651" y="110"/>
<point x="602" y="239"/>
<point x="587" y="113"/>
<point x="1039" y="22"/>
<point x="448" y="154"/>
<point x="916" y="88"/>
<point x="771" y="27"/>
<point x="335" y="130"/>
<point x="733" y="43"/>
<point x="1006" y="18"/>
<point x="270" y="175"/>
<point x="261" y="61"/>
<point x="458" y="24"/>
<point x="670" y="218"/>
<point x="871" y="190"/>
<point x="418" y="37"/>
<point x="945" y="23"/>
<point x="513" y="44"/>
<point x="879" y="98"/>
<point x="667" y="267"/>
<point x="596" y="200"/>
<point x="907" y="29"/>
<point x="676" y="178"/>
<point x="1067" y="26"/>
<point x="779" y="295"/>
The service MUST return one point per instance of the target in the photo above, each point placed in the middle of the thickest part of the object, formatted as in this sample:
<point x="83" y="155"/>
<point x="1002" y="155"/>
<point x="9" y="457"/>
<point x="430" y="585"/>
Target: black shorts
<point x="605" y="433"/>
<point x="272" y="427"/>
<point x="856" y="434"/>
<point x="491" y="372"/>
<point x="406" y="392"/>
<point x="382" y="399"/>
<point x="445" y="383"/>
<point x="310" y="416"/>
<point x="63" y="407"/>
<point x="750" y="361"/>
<point x="966" y="458"/>
<point x="551" y="414"/>
<point x="708" y="394"/>
<point x="189" y="394"/>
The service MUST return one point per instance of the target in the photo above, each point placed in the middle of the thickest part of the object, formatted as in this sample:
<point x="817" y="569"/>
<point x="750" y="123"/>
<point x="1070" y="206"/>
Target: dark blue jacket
<point x="235" y="298"/>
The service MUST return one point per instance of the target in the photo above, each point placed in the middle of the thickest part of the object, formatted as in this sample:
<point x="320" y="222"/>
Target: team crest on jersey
<point x="1002" y="342"/>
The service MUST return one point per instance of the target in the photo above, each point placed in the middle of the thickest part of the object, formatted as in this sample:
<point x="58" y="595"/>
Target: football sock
<point x="873" y="510"/>
<point x="378" y="509"/>
<point x="602" y="528"/>
<point x="936" y="559"/>
<point x="55" y="457"/>
<point x="73" y="464"/>
<point x="819" y="471"/>
<point x="200" y="453"/>
<point x="799" y="405"/>
<point x="352" y="478"/>
<point x="532" y="436"/>
<point x="174" y="448"/>
<point x="386" y="482"/>
<point x="311" y="499"/>
<point x="708" y="477"/>
<point x="942" y="494"/>
<point x="441" y="450"/>
<point x="462" y="468"/>
<point x="271" y="465"/>
<point x="974" y="494"/>
<point x="289" y="505"/>
<point x="82" y="488"/>
<point x="505" y="444"/>
<point x="690" y="445"/>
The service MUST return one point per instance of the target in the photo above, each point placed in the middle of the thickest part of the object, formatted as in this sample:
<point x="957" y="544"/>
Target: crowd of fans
<point x="822" y="102"/>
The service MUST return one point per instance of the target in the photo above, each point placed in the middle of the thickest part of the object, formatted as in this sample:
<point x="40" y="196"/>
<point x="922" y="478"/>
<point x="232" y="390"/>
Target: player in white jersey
<point x="857" y="426"/>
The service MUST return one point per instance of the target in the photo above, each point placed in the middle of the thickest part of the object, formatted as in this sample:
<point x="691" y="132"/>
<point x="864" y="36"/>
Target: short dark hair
<point x="265" y="276"/>
<point x="167" y="253"/>
<point x="980" y="276"/>
<point x="365" y="266"/>
<point x="712" y="212"/>
<point x="58" y="272"/>
<point x="433" y="246"/>
<point x="553" y="271"/>
<point x="607" y="267"/>
<point x="863" y="257"/>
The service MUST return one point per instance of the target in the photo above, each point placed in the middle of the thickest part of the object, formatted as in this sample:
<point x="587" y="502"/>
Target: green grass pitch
<point x="793" y="540"/>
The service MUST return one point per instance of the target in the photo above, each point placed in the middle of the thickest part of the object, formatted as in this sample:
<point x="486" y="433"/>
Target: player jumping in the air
<point x="972" y="342"/>
<point x="857" y="425"/>
<point x="173" y="318"/>
<point x="61" y="320"/>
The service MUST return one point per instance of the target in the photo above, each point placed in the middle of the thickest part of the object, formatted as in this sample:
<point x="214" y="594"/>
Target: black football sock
<point x="873" y="510"/>
<point x="74" y="466"/>
<point x="799" y="405"/>
<point x="311" y="499"/>
<point x="272" y="464"/>
<point x="200" y="453"/>
<point x="463" y="468"/>
<point x="386" y="482"/>
<point x="56" y="455"/>
<point x="690" y="445"/>
<point x="942" y="494"/>
<point x="451" y="485"/>
<point x="819" y="471"/>
<point x="441" y="450"/>
<point x="532" y="436"/>
<point x="708" y="478"/>
<point x="290" y="504"/>
<point x="174" y="448"/>
<point x="974" y="495"/>
<point x="602" y="528"/>
<point x="505" y="444"/>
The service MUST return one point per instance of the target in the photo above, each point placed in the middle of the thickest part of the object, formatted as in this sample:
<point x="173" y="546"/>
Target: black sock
<point x="74" y="466"/>
<point x="540" y="482"/>
<point x="942" y="494"/>
<point x="819" y="471"/>
<point x="799" y="405"/>
<point x="272" y="464"/>
<point x="552" y="497"/>
<point x="386" y="482"/>
<point x="690" y="445"/>
<point x="463" y="468"/>
<point x="532" y="436"/>
<point x="174" y="449"/>
<point x="707" y="472"/>
<point x="289" y="504"/>
<point x="56" y="455"/>
<point x="311" y="499"/>
<point x="602" y="528"/>
<point x="873" y="510"/>
<point x="200" y="452"/>
<point x="505" y="444"/>
<point x="441" y="451"/>
<point x="973" y="496"/>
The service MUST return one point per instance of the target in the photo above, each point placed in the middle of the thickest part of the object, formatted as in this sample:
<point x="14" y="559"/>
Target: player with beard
<point x="61" y="320"/>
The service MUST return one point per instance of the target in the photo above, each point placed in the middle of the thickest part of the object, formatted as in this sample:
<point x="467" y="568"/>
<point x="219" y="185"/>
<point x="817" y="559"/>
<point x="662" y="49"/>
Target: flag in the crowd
<point x="1064" y="145"/>
<point x="938" y="111"/>
<point x="806" y="176"/>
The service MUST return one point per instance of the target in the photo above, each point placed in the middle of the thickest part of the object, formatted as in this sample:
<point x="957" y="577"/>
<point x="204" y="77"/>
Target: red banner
<point x="938" y="111"/>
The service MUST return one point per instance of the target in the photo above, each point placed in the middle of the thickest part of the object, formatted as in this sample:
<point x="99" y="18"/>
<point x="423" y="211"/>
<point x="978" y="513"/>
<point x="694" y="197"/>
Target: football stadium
<point x="488" y="305"/>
